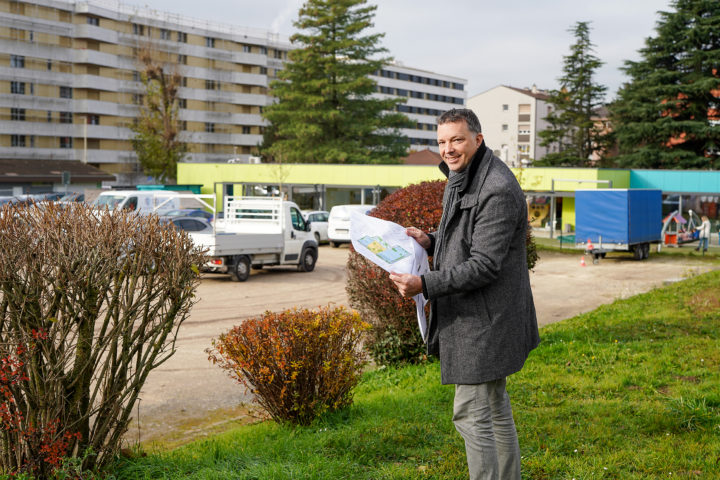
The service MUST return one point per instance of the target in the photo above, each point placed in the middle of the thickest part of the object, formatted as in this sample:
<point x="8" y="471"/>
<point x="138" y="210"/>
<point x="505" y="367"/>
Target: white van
<point x="144" y="202"/>
<point x="339" y="222"/>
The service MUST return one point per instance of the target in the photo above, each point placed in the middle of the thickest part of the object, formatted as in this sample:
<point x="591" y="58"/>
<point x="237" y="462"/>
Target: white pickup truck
<point x="257" y="232"/>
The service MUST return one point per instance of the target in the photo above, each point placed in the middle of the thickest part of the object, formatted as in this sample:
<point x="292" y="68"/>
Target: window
<point x="523" y="148"/>
<point x="32" y="89"/>
<point x="66" y="117"/>
<point x="278" y="54"/>
<point x="182" y="103"/>
<point x="263" y="50"/>
<point x="183" y="124"/>
<point x="263" y="70"/>
<point x="17" y="114"/>
<point x="246" y="130"/>
<point x="17" y="140"/>
<point x="138" y="29"/>
<point x="247" y="49"/>
<point x="504" y="127"/>
<point x="137" y="99"/>
<point x="17" y="87"/>
<point x="298" y="222"/>
<point x="209" y="84"/>
<point x="401" y="93"/>
<point x="66" y="142"/>
<point x="505" y="107"/>
<point x="49" y="64"/>
<point x="184" y="82"/>
<point x="66" y="92"/>
<point x="17" y="61"/>
<point x="182" y="59"/>
<point x="136" y="76"/>
<point x="210" y="42"/>
<point x="209" y="127"/>
<point x="403" y="76"/>
<point x="164" y="34"/>
<point x="182" y="37"/>
<point x="49" y="116"/>
<point x="32" y="141"/>
<point x="93" y="21"/>
<point x="31" y="36"/>
<point x="458" y="86"/>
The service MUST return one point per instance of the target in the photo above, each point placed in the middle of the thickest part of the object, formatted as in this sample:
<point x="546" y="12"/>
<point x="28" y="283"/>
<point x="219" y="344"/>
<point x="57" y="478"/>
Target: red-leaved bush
<point x="298" y="363"/>
<point x="394" y="336"/>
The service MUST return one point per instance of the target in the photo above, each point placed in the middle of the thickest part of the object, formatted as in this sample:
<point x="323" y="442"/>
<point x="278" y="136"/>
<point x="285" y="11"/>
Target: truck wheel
<point x="638" y="252"/>
<point x="241" y="270"/>
<point x="307" y="260"/>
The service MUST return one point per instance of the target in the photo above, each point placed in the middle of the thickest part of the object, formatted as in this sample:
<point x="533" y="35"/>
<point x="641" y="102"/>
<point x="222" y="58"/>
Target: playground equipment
<point x="677" y="231"/>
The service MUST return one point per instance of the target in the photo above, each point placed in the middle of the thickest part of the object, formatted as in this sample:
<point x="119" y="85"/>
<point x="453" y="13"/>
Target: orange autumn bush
<point x="298" y="363"/>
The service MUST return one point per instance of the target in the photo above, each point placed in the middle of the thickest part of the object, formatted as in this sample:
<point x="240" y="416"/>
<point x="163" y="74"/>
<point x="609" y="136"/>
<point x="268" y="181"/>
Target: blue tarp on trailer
<point x="618" y="216"/>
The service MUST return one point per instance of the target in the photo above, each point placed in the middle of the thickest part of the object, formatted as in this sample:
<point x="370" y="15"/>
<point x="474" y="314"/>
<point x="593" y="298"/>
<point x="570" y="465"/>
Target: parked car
<point x="318" y="220"/>
<point x="189" y="224"/>
<point x="189" y="212"/>
<point x="339" y="222"/>
<point x="72" y="197"/>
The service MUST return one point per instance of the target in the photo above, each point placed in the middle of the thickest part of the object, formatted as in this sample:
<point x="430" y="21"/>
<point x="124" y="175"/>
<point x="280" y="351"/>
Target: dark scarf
<point x="457" y="183"/>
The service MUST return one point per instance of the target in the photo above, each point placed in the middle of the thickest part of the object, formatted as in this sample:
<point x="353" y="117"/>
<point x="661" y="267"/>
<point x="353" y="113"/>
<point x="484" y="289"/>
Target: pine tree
<point x="573" y="133"/>
<point x="156" y="141"/>
<point x="668" y="114"/>
<point x="325" y="112"/>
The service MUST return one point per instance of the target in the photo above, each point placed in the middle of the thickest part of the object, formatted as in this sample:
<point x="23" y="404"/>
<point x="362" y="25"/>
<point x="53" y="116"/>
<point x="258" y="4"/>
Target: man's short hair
<point x="461" y="114"/>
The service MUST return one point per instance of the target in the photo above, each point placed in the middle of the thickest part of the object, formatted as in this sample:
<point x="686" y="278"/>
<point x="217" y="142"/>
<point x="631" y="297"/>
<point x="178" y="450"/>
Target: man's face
<point x="457" y="144"/>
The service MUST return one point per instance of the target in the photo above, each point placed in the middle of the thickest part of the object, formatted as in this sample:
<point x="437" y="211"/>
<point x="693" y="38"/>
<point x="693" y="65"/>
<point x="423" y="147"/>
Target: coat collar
<point x="472" y="168"/>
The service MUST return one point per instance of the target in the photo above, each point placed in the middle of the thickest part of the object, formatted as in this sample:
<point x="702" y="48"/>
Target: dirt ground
<point x="187" y="397"/>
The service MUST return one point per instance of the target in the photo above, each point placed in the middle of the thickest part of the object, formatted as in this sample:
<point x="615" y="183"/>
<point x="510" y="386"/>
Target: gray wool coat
<point x="482" y="317"/>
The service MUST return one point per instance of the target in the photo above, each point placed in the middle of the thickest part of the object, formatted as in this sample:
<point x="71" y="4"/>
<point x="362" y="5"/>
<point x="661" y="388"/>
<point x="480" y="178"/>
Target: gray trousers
<point x="483" y="416"/>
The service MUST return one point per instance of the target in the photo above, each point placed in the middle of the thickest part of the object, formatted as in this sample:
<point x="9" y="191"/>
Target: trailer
<point x="256" y="232"/>
<point x="618" y="220"/>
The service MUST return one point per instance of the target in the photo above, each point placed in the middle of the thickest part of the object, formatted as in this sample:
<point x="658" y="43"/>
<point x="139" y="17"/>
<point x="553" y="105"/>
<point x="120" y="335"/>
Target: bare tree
<point x="156" y="142"/>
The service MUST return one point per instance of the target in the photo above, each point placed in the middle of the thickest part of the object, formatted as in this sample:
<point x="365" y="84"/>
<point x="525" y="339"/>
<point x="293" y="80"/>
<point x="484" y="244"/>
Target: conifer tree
<point x="573" y="134"/>
<point x="325" y="112"/>
<point x="668" y="114"/>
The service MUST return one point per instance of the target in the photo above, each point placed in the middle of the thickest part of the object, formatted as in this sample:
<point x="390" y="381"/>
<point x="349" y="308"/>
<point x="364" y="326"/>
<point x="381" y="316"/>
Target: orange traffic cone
<point x="582" y="261"/>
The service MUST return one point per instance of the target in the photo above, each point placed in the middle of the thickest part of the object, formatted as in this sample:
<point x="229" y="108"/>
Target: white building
<point x="427" y="95"/>
<point x="511" y="119"/>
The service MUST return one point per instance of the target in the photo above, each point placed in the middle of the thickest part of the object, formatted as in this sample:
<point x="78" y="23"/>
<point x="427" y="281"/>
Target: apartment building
<point x="511" y="119"/>
<point x="70" y="82"/>
<point x="426" y="95"/>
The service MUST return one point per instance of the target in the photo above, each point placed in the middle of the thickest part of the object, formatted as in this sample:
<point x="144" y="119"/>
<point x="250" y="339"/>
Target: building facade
<point x="70" y="84"/>
<point x="425" y="96"/>
<point x="511" y="119"/>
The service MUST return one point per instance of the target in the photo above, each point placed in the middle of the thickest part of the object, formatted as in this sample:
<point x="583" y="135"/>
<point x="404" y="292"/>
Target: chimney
<point x="534" y="89"/>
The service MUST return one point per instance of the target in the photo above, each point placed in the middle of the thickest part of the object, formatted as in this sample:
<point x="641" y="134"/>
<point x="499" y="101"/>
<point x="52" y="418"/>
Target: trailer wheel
<point x="638" y="252"/>
<point x="646" y="250"/>
<point x="241" y="270"/>
<point x="307" y="260"/>
<point x="596" y="258"/>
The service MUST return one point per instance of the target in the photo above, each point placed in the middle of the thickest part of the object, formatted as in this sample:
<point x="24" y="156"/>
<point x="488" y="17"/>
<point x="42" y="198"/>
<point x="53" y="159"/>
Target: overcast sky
<point x="489" y="43"/>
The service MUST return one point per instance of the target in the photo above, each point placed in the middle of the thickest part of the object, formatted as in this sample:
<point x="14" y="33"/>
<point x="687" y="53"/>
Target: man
<point x="704" y="235"/>
<point x="482" y="321"/>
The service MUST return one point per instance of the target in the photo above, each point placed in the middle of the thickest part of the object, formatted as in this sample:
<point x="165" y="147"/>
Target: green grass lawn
<point x="628" y="391"/>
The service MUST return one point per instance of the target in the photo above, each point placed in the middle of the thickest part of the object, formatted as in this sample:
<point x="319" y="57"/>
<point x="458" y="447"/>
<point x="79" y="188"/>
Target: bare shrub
<point x="99" y="298"/>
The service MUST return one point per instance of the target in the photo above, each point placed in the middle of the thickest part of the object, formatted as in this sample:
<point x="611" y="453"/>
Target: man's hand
<point x="408" y="285"/>
<point x="419" y="236"/>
